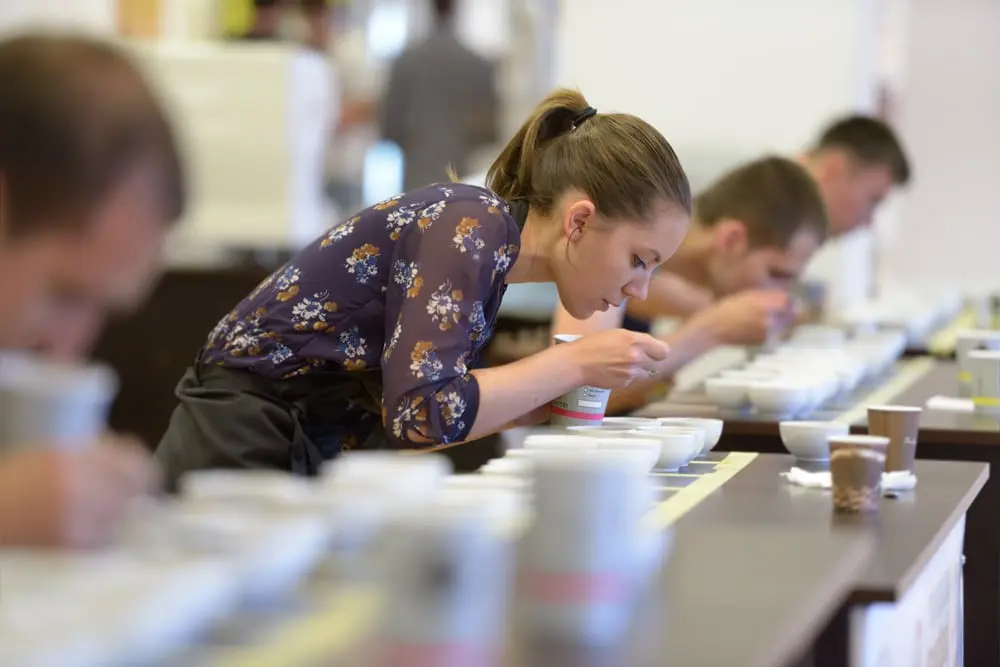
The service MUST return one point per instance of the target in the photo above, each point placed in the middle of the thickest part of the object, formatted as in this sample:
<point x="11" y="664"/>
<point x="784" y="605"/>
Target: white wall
<point x="727" y="80"/>
<point x="949" y="114"/>
<point x="722" y="76"/>
<point x="96" y="15"/>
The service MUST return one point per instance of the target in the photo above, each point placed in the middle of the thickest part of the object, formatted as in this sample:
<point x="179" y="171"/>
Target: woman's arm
<point x="520" y="387"/>
<point x="445" y="270"/>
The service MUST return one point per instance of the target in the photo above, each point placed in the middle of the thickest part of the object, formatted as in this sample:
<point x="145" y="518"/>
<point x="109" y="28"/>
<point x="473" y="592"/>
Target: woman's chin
<point x="581" y="312"/>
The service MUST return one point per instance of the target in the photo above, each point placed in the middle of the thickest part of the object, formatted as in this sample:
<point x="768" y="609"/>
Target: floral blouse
<point x="411" y="286"/>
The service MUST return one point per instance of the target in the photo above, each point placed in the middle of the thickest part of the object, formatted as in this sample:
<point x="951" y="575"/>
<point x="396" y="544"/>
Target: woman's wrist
<point x="566" y="360"/>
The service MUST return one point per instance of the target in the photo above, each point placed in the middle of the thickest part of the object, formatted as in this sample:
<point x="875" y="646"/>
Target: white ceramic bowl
<point x="647" y="449"/>
<point x="628" y="422"/>
<point x="751" y="374"/>
<point x="711" y="428"/>
<point x="728" y="393"/>
<point x="678" y="446"/>
<point x="599" y="431"/>
<point x="780" y="397"/>
<point x="809" y="441"/>
<point x="509" y="467"/>
<point x="819" y="335"/>
<point x="559" y="441"/>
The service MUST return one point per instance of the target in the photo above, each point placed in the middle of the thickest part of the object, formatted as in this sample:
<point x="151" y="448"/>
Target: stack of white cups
<point x="585" y="554"/>
<point x="365" y="492"/>
<point x="447" y="581"/>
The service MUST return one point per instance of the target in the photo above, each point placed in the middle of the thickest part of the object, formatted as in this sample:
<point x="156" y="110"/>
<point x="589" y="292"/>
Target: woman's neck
<point x="691" y="259"/>
<point x="533" y="265"/>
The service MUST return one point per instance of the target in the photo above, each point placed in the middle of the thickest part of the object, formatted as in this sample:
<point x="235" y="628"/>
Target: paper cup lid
<point x="29" y="373"/>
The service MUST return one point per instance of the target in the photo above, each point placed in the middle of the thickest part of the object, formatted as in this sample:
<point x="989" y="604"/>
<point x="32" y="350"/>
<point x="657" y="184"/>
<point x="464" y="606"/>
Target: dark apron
<point x="237" y="419"/>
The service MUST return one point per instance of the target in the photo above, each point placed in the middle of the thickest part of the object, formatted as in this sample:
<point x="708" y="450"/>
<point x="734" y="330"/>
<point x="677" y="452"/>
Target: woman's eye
<point x="638" y="263"/>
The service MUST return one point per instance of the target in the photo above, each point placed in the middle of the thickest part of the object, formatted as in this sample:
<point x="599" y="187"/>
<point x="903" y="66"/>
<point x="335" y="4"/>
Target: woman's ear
<point x="578" y="215"/>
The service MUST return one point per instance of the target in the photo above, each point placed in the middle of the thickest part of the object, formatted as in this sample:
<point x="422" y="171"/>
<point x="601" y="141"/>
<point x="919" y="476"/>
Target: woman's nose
<point x="637" y="289"/>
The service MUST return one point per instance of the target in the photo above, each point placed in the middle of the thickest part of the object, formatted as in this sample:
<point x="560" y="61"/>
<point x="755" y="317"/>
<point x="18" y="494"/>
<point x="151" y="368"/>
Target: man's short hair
<point x="774" y="197"/>
<point x="871" y="141"/>
<point x="76" y="115"/>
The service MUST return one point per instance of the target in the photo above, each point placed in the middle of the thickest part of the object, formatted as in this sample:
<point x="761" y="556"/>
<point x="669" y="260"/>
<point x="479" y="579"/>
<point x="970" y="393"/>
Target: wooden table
<point x="908" y="530"/>
<point x="730" y="595"/>
<point x="762" y="574"/>
<point x="944" y="436"/>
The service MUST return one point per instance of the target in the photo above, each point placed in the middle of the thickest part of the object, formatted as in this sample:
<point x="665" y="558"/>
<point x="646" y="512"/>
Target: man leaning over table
<point x="90" y="182"/>
<point x="855" y="163"/>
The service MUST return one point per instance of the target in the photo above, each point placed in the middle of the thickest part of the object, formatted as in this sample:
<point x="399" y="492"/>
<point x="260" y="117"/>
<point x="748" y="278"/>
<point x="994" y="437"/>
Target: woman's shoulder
<point x="450" y="201"/>
<point x="447" y="193"/>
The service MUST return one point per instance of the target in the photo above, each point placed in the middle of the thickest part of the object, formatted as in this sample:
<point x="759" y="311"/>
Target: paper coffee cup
<point x="576" y="562"/>
<point x="966" y="342"/>
<point x="901" y="424"/>
<point x="52" y="404"/>
<point x="584" y="406"/>
<point x="856" y="466"/>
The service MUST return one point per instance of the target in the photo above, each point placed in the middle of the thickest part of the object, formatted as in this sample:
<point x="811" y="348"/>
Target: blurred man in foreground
<point x="90" y="182"/>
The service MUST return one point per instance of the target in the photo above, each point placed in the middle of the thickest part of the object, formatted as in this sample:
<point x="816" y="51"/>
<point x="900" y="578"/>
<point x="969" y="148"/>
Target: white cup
<point x="966" y="342"/>
<point x="584" y="406"/>
<point x="985" y="368"/>
<point x="577" y="565"/>
<point x="55" y="404"/>
<point x="448" y="573"/>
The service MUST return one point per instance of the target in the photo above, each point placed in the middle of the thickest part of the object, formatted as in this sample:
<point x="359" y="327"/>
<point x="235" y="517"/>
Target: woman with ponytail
<point x="371" y="336"/>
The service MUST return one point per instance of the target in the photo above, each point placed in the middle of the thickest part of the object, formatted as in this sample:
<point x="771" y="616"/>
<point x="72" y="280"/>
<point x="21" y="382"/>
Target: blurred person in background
<point x="266" y="21"/>
<point x="315" y="113"/>
<point x="856" y="162"/>
<point x="372" y="336"/>
<point x="90" y="183"/>
<point x="441" y="103"/>
<point x="754" y="231"/>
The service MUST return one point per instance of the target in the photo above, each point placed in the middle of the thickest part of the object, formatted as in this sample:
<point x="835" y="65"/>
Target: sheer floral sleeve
<point x="446" y="268"/>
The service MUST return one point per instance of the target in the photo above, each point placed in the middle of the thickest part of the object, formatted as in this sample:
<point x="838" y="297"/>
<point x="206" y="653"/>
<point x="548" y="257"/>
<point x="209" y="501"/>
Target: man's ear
<point x="730" y="236"/>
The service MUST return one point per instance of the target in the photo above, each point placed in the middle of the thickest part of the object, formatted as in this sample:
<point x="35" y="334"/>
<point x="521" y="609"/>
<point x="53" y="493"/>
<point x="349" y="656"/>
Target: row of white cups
<point x="442" y="545"/>
<point x="816" y="365"/>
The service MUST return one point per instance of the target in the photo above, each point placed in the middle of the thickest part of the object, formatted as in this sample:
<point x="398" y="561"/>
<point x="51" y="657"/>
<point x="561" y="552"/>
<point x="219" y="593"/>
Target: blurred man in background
<point x="856" y="162"/>
<point x="753" y="232"/>
<point x="441" y="103"/>
<point x="90" y="182"/>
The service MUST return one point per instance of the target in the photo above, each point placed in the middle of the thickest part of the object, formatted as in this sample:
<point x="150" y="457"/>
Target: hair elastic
<point x="583" y="116"/>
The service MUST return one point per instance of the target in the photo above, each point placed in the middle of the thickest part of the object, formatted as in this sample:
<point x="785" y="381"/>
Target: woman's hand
<point x="613" y="359"/>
